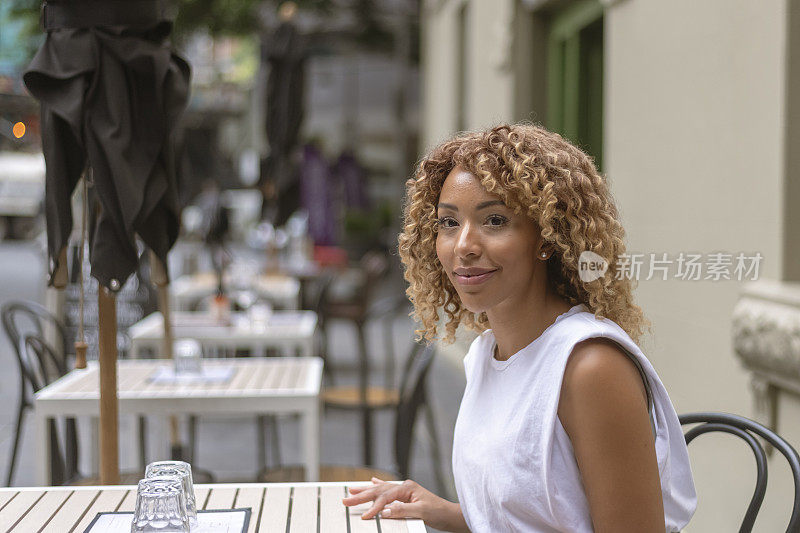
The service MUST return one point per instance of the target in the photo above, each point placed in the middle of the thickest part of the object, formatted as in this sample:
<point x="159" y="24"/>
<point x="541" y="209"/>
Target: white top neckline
<point x="502" y="365"/>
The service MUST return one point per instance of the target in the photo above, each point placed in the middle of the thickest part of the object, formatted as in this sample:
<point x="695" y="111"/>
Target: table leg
<point x="95" y="445"/>
<point x="311" y="440"/>
<point x="363" y="384"/>
<point x="43" y="475"/>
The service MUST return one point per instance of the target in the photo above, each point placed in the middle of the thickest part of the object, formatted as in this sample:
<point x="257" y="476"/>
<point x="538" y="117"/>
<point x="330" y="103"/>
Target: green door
<point x="575" y="76"/>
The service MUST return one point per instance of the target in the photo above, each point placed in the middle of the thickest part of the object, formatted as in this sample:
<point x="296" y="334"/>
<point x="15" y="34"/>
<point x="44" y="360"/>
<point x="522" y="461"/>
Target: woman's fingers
<point x="376" y="493"/>
<point x="380" y="501"/>
<point x="402" y="510"/>
<point x="359" y="497"/>
<point x="357" y="490"/>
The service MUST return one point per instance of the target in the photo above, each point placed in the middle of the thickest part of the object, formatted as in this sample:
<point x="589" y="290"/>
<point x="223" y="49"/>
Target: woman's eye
<point x="446" y="222"/>
<point x="496" y="220"/>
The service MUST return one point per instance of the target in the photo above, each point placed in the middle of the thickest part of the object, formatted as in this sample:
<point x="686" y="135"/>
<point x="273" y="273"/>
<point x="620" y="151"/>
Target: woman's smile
<point x="473" y="275"/>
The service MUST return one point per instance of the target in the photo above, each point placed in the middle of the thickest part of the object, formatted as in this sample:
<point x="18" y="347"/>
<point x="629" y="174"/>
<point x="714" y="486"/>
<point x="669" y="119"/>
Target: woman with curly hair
<point x="564" y="424"/>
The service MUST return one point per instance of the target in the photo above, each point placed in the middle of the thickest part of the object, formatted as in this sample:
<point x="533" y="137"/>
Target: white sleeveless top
<point x="513" y="462"/>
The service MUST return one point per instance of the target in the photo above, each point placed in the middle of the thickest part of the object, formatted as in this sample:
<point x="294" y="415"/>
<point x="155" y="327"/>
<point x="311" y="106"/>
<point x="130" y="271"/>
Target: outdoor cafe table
<point x="290" y="332"/>
<point x="275" y="507"/>
<point x="260" y="386"/>
<point x="278" y="289"/>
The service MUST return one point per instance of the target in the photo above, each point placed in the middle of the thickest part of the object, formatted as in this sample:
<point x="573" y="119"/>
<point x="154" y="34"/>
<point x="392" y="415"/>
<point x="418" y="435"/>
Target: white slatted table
<point x="290" y="332"/>
<point x="280" y="290"/>
<point x="276" y="508"/>
<point x="261" y="386"/>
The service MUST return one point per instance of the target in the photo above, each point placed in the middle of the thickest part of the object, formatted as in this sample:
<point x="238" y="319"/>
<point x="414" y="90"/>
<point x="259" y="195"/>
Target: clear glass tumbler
<point x="160" y="507"/>
<point x="188" y="355"/>
<point x="259" y="315"/>
<point x="179" y="470"/>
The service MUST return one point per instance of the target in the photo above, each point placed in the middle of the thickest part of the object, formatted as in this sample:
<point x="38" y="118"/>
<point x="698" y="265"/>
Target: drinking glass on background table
<point x="182" y="472"/>
<point x="160" y="506"/>
<point x="187" y="354"/>
<point x="259" y="315"/>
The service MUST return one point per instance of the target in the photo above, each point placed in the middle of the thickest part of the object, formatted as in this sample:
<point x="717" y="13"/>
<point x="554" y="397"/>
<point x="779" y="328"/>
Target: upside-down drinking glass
<point x="188" y="355"/>
<point x="179" y="470"/>
<point x="160" y="507"/>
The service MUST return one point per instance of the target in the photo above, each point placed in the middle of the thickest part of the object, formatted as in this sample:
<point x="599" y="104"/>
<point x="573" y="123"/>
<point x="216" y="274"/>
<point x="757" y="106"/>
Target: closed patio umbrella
<point x="111" y="92"/>
<point x="285" y="52"/>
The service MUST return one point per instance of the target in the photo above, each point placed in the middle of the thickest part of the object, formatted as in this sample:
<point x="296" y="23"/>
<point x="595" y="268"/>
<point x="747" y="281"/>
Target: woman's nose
<point x="467" y="242"/>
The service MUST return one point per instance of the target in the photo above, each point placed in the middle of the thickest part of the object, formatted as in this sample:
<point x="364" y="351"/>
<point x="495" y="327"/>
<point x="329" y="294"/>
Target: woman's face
<point x="488" y="252"/>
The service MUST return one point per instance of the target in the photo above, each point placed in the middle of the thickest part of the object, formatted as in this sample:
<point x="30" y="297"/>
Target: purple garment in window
<point x="317" y="196"/>
<point x="353" y="178"/>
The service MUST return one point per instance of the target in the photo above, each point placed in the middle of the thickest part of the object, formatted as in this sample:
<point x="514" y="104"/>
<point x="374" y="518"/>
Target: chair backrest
<point x="41" y="363"/>
<point x="320" y="294"/>
<point x="16" y="313"/>
<point x="413" y="394"/>
<point x="745" y="428"/>
<point x="19" y="318"/>
<point x="37" y="358"/>
<point x="387" y="310"/>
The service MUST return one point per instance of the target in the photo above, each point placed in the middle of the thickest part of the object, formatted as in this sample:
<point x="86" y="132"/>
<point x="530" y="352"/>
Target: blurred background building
<point x="692" y="109"/>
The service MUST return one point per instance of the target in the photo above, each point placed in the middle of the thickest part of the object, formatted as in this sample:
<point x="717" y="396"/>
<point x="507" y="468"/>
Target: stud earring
<point x="544" y="255"/>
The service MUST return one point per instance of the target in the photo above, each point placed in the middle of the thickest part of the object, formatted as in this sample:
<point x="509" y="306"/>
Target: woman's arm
<point x="603" y="408"/>
<point x="408" y="500"/>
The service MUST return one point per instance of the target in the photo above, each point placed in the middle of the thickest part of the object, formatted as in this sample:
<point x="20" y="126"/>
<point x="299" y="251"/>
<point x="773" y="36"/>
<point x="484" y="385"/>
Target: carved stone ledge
<point x="766" y="338"/>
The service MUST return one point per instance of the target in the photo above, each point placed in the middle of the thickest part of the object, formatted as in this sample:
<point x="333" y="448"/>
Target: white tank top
<point x="513" y="462"/>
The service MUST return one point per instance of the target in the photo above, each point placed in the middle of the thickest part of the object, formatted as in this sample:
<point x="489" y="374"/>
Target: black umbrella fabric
<point x="111" y="92"/>
<point x="285" y="52"/>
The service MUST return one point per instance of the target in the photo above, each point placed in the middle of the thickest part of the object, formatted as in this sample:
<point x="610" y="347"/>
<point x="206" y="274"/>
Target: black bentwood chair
<point x="412" y="402"/>
<point x="745" y="429"/>
<point x="37" y="358"/>
<point x="20" y="317"/>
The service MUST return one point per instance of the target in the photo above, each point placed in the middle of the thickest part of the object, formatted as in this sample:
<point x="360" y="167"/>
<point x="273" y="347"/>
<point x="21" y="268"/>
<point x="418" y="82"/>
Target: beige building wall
<point x="489" y="75"/>
<point x="694" y="151"/>
<point x="694" y="136"/>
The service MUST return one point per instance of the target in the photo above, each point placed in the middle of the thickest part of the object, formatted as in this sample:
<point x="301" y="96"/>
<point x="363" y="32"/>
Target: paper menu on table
<point x="220" y="521"/>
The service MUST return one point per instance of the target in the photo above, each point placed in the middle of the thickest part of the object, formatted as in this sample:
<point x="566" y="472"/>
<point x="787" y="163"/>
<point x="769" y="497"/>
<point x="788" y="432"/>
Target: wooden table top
<point x="278" y="284"/>
<point x="279" y="376"/>
<point x="201" y="326"/>
<point x="276" y="508"/>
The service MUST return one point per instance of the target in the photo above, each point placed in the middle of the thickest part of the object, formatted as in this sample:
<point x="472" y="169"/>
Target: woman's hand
<point x="407" y="500"/>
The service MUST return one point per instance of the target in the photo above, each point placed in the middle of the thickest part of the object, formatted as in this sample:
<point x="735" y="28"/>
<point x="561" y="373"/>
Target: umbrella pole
<point x="158" y="275"/>
<point x="109" y="434"/>
<point x="80" y="342"/>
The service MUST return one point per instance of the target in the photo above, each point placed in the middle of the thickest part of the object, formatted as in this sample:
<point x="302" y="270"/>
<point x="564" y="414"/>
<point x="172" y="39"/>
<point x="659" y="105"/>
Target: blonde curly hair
<point x="540" y="174"/>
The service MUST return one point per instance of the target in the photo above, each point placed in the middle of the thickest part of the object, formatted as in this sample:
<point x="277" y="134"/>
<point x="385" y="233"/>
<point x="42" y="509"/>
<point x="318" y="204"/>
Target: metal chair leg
<point x="15" y="447"/>
<point x="261" y="442"/>
<point x="276" y="441"/>
<point x="363" y="383"/>
<point x="435" y="449"/>
<point x="192" y="445"/>
<point x="327" y="369"/>
<point x="142" y="431"/>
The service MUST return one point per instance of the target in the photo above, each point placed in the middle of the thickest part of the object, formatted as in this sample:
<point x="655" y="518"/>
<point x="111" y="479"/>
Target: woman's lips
<point x="474" y="280"/>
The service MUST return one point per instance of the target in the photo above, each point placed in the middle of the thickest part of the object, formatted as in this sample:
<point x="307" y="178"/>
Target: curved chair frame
<point x="744" y="428"/>
<point x="38" y="316"/>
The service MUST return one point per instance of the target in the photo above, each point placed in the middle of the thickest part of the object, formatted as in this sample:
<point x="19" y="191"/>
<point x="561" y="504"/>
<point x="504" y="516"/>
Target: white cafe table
<point x="275" y="507"/>
<point x="290" y="332"/>
<point x="278" y="289"/>
<point x="260" y="386"/>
